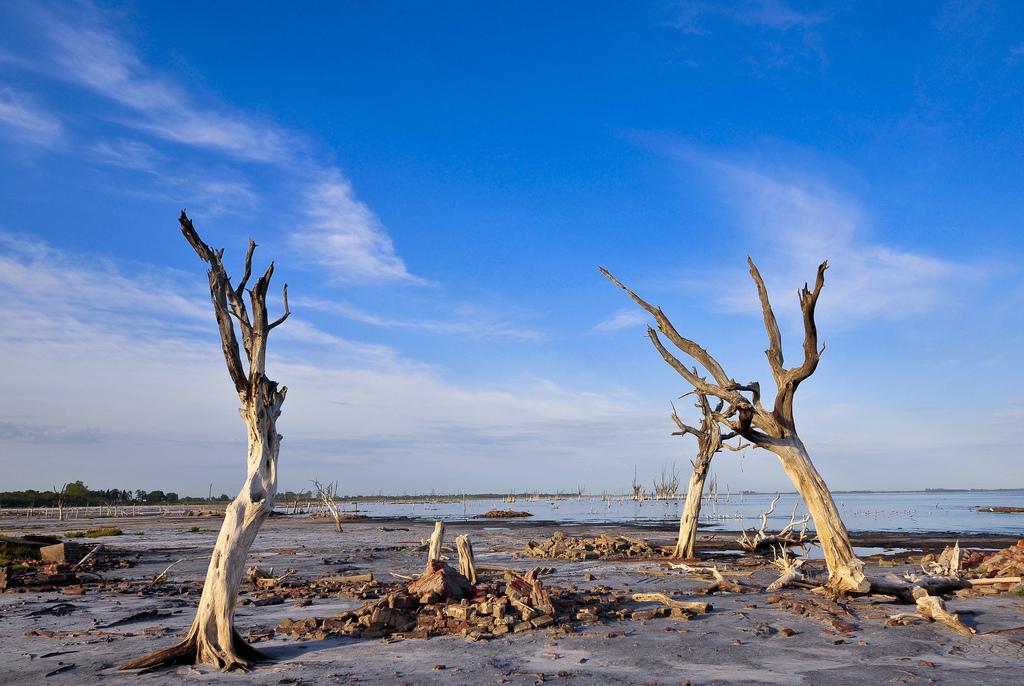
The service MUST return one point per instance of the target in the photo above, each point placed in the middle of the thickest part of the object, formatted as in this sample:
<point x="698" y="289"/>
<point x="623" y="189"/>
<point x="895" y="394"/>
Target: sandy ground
<point x="738" y="642"/>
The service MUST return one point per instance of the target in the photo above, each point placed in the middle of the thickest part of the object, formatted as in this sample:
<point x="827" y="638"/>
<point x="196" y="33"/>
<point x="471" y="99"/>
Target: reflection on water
<point x="907" y="511"/>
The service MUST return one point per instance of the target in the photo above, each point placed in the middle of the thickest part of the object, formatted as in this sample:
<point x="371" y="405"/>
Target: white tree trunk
<point x="845" y="570"/>
<point x="687" y="540"/>
<point x="212" y="639"/>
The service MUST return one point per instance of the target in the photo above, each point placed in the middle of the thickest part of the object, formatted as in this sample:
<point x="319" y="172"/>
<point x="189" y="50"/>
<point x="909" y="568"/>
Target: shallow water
<point x="904" y="511"/>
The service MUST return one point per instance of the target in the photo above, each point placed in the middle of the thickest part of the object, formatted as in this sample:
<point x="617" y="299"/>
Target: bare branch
<point x="699" y="354"/>
<point x="771" y="326"/>
<point x="808" y="301"/>
<point x="220" y="288"/>
<point x="248" y="268"/>
<point x="280" y="320"/>
<point x="695" y="380"/>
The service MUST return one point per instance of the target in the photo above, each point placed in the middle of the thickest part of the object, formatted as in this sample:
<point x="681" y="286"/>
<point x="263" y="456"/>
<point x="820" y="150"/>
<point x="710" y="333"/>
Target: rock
<point x="70" y="553"/>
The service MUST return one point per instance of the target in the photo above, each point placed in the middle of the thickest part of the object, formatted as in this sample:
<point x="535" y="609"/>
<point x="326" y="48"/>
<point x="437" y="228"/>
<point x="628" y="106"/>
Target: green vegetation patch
<point x="95" y="533"/>
<point x="27" y="548"/>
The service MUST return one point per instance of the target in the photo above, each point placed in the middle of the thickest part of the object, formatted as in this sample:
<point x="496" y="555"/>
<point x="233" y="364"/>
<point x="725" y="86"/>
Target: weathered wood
<point x="467" y="565"/>
<point x="435" y="544"/>
<point x="697" y="606"/>
<point x="997" y="580"/>
<point x="709" y="443"/>
<point x="773" y="430"/>
<point x="931" y="607"/>
<point x="212" y="639"/>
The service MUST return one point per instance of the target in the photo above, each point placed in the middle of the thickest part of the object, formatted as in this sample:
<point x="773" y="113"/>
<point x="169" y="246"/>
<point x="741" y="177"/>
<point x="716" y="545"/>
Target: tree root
<point x="239" y="657"/>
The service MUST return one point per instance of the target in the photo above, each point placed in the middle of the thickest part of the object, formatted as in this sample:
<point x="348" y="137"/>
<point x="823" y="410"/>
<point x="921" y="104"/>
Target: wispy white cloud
<point x="83" y="47"/>
<point x="78" y="44"/>
<point x="792" y="223"/>
<point x="27" y="121"/>
<point x="624" y="318"/>
<point x="344" y="235"/>
<point x="126" y="153"/>
<point x="112" y="361"/>
<point x="472" y="322"/>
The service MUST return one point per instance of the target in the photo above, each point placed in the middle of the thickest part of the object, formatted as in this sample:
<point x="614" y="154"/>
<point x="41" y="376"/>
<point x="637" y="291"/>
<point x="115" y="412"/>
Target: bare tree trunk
<point x="212" y="639"/>
<point x="434" y="546"/>
<point x="467" y="564"/>
<point x="686" y="543"/>
<point x="845" y="570"/>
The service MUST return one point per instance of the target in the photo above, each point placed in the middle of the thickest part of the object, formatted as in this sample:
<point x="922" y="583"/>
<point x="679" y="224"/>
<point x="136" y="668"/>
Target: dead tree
<point x="666" y="487"/>
<point x="212" y="639"/>
<point x="327" y="495"/>
<point x="762" y="540"/>
<point x="61" y="495"/>
<point x="709" y="441"/>
<point x="772" y="429"/>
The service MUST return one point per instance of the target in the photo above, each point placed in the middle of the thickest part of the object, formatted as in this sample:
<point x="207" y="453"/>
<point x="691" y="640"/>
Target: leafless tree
<point x="61" y="496"/>
<point x="212" y="639"/>
<point x="772" y="429"/>
<point x="709" y="442"/>
<point x="327" y="495"/>
<point x="667" y="486"/>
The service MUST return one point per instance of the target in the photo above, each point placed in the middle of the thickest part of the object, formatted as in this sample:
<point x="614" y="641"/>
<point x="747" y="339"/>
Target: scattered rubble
<point x="1006" y="562"/>
<point x="44" y="563"/>
<point x="599" y="548"/>
<point x="443" y="602"/>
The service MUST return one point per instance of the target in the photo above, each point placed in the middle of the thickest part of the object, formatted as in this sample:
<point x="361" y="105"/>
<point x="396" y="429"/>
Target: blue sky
<point x="438" y="185"/>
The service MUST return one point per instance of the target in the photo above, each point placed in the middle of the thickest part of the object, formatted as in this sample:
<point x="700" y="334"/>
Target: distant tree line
<point x="78" y="494"/>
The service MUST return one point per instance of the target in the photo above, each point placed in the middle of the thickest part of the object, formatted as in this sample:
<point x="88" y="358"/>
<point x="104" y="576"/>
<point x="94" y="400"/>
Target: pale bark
<point x="773" y="429"/>
<point x="709" y="442"/>
<point x="327" y="496"/>
<point x="435" y="544"/>
<point x="467" y="564"/>
<point x="212" y="639"/>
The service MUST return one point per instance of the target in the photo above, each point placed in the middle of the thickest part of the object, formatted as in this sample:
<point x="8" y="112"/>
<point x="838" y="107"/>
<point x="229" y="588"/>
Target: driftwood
<point x="996" y="580"/>
<point x="904" y="588"/>
<point x="467" y="565"/>
<point x="696" y="606"/>
<point x="949" y="562"/>
<point x="787" y="536"/>
<point x="723" y="585"/>
<point x="771" y="429"/>
<point x="435" y="543"/>
<point x="212" y="639"/>
<point x="789" y="568"/>
<point x="931" y="607"/>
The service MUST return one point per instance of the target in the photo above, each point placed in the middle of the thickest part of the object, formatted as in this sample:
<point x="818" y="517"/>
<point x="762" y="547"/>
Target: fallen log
<point x="697" y="606"/>
<point x="997" y="580"/>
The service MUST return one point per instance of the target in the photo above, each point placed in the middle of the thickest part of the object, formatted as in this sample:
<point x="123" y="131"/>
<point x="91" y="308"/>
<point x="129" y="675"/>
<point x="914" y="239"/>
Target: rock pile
<point x="442" y="602"/>
<point x="602" y="547"/>
<point x="1006" y="562"/>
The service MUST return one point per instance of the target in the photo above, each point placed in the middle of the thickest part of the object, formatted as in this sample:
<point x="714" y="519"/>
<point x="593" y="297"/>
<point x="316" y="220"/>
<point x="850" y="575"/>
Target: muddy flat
<point x="61" y="636"/>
